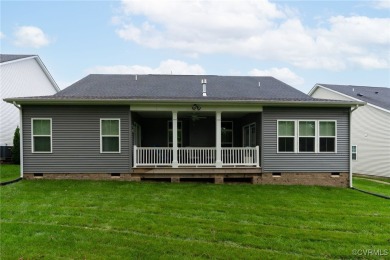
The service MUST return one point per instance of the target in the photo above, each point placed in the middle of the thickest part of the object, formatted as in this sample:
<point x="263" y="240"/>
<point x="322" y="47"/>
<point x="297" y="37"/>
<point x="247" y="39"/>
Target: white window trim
<point x="295" y="135"/>
<point x="248" y="125"/>
<point x="356" y="152"/>
<point x="232" y="130"/>
<point x="101" y="136"/>
<point x="316" y="133"/>
<point x="335" y="135"/>
<point x="32" y="134"/>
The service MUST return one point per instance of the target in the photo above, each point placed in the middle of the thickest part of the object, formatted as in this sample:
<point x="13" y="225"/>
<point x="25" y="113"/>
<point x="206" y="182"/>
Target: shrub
<point x="16" y="148"/>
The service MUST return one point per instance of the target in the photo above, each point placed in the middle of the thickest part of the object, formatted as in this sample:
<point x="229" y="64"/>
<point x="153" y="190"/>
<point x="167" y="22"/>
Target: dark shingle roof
<point x="181" y="87"/>
<point x="11" y="57"/>
<point x="377" y="96"/>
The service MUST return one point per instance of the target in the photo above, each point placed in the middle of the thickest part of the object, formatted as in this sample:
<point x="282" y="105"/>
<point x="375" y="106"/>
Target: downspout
<point x="21" y="137"/>
<point x="350" y="145"/>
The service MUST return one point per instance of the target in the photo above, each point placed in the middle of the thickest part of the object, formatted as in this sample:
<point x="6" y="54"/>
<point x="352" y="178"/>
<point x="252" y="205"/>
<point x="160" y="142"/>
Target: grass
<point x="9" y="172"/>
<point x="385" y="179"/>
<point x="372" y="186"/>
<point x="121" y="220"/>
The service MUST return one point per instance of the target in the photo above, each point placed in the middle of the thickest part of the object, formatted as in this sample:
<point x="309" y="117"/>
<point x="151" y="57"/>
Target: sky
<point x="299" y="42"/>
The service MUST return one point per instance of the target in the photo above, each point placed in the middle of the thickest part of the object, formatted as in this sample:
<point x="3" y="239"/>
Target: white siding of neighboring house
<point x="19" y="79"/>
<point x="371" y="134"/>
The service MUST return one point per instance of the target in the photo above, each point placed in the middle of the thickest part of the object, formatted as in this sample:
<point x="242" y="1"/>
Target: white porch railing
<point x="240" y="156"/>
<point x="196" y="156"/>
<point x="152" y="156"/>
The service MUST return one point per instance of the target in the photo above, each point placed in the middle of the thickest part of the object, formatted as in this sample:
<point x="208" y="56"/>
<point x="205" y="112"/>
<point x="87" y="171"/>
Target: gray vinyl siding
<point x="76" y="140"/>
<point x="305" y="162"/>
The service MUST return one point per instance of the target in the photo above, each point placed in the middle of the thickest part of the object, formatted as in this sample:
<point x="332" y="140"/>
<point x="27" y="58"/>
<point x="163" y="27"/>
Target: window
<point x="249" y="135"/>
<point x="110" y="135"/>
<point x="136" y="134"/>
<point x="354" y="152"/>
<point x="327" y="136"/>
<point x="227" y="134"/>
<point x="41" y="135"/>
<point x="179" y="134"/>
<point x="307" y="136"/>
<point x="286" y="136"/>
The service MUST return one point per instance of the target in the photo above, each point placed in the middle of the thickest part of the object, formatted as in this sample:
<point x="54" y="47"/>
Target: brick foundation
<point x="321" y="179"/>
<point x="317" y="178"/>
<point x="80" y="176"/>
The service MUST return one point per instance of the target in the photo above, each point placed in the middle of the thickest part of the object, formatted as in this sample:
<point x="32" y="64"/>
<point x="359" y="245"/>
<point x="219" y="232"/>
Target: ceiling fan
<point x="195" y="117"/>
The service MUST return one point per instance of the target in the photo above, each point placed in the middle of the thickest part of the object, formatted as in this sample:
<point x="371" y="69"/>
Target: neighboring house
<point x="20" y="76"/>
<point x="183" y="127"/>
<point x="370" y="125"/>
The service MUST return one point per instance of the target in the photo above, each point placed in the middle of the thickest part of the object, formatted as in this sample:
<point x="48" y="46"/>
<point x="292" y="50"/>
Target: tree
<point x="16" y="148"/>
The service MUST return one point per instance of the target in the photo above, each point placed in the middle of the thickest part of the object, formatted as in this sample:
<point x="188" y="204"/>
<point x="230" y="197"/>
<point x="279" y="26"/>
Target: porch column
<point x="175" y="163"/>
<point x="218" y="161"/>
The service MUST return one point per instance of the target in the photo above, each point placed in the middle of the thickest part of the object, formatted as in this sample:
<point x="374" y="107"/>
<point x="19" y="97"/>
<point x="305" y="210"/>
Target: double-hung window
<point x="227" y="134"/>
<point x="179" y="133"/>
<point x="327" y="136"/>
<point x="286" y="136"/>
<point x="110" y="135"/>
<point x="41" y="135"/>
<point x="354" y="152"/>
<point x="307" y="136"/>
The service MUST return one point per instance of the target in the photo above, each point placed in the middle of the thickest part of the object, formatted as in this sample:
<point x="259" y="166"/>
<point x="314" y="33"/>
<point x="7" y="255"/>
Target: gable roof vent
<point x="204" y="82"/>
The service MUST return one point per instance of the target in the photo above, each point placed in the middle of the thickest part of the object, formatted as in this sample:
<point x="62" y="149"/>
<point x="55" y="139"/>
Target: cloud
<point x="382" y="4"/>
<point x="283" y="74"/>
<point x="256" y="29"/>
<point x="166" y="67"/>
<point x="30" y="36"/>
<point x="2" y="35"/>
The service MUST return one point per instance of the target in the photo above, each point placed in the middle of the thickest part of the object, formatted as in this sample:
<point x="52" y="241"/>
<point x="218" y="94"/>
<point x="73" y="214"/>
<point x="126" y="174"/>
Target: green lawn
<point x="372" y="186"/>
<point x="373" y="178"/>
<point x="66" y="219"/>
<point x="9" y="172"/>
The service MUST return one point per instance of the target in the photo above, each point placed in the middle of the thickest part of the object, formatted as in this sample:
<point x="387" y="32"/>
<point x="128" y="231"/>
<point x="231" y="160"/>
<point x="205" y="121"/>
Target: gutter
<point x="21" y="137"/>
<point x="350" y="145"/>
<point x="300" y="103"/>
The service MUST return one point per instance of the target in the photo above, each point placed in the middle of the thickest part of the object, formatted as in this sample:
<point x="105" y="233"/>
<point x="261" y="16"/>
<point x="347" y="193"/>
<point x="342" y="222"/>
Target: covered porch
<point x="196" y="136"/>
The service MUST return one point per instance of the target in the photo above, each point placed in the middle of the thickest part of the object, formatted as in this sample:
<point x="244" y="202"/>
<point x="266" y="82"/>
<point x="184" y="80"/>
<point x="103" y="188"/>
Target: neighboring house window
<point x="327" y="138"/>
<point x="110" y="135"/>
<point x="249" y="135"/>
<point x="307" y="136"/>
<point x="179" y="133"/>
<point x="354" y="152"/>
<point x="286" y="136"/>
<point x="41" y="135"/>
<point x="227" y="134"/>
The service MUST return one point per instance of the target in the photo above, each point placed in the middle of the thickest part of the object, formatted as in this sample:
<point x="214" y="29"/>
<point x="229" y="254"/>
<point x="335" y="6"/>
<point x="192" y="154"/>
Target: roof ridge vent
<point x="204" y="82"/>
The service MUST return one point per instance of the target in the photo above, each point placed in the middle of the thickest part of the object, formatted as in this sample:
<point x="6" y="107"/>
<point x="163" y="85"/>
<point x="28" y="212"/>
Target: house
<point x="370" y="125"/>
<point x="21" y="75"/>
<point x="223" y="128"/>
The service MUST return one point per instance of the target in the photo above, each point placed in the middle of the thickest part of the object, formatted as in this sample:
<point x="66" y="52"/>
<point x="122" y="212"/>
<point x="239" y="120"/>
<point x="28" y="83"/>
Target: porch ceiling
<point x="168" y="114"/>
